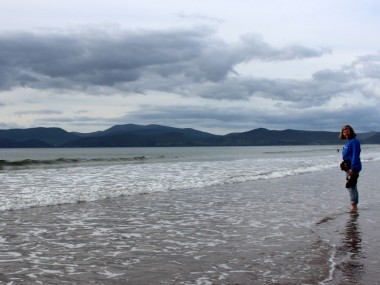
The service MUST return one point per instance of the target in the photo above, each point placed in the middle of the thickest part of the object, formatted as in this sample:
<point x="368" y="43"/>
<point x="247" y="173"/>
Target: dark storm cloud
<point x="123" y="59"/>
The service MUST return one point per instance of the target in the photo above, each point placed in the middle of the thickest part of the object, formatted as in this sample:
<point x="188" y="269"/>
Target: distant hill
<point x="6" y="143"/>
<point x="153" y="130"/>
<point x="131" y="135"/>
<point x="144" y="136"/>
<point x="373" y="139"/>
<point x="49" y="136"/>
<point x="263" y="136"/>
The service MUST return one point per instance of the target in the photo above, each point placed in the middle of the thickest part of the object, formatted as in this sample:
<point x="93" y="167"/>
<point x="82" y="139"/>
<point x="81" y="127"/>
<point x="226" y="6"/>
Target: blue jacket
<point x="351" y="151"/>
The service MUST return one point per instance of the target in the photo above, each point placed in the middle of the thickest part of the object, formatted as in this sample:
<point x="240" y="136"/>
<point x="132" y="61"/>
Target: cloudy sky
<point x="215" y="65"/>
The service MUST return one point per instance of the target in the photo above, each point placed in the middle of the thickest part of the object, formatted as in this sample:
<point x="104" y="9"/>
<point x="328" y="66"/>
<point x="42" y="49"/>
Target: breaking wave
<point x="36" y="163"/>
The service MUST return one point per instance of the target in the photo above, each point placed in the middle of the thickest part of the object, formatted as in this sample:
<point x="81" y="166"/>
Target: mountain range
<point x="131" y="135"/>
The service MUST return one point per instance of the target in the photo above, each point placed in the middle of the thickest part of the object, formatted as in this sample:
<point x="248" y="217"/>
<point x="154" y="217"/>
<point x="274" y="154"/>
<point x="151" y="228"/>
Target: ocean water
<point x="223" y="215"/>
<point x="41" y="177"/>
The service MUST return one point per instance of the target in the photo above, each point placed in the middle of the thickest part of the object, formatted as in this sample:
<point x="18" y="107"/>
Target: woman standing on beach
<point x="351" y="163"/>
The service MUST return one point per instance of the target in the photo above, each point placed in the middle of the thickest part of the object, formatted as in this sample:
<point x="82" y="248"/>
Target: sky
<point x="219" y="66"/>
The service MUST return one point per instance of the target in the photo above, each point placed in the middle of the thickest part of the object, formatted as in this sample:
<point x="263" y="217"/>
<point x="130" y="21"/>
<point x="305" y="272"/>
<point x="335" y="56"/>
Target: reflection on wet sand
<point x="352" y="267"/>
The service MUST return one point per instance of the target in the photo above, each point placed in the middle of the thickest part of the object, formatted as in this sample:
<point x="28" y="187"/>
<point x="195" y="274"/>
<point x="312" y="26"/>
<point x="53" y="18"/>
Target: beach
<point x="289" y="230"/>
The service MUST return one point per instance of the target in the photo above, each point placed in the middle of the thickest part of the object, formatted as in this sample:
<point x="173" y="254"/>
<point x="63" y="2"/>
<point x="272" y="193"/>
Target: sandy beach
<point x="293" y="230"/>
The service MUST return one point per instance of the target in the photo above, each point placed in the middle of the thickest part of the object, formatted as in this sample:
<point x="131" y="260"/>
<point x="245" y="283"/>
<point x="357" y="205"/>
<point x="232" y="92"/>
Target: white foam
<point x="332" y="266"/>
<point x="41" y="187"/>
<point x="111" y="274"/>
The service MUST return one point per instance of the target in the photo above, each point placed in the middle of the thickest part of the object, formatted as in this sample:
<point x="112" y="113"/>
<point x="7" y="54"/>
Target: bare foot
<point x="354" y="208"/>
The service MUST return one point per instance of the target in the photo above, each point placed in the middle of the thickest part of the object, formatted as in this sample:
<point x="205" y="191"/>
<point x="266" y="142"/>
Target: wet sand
<point x="356" y="235"/>
<point x="294" y="230"/>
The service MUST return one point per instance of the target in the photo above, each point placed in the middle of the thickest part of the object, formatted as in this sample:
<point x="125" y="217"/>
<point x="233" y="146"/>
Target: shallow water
<point x="293" y="230"/>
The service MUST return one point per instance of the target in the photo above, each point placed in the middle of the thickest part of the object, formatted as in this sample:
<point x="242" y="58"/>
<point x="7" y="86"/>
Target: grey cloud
<point x="154" y="113"/>
<point x="333" y="75"/>
<point x="302" y="93"/>
<point x="87" y="59"/>
<point x="194" y="63"/>
<point x="79" y="121"/>
<point x="365" y="118"/>
<point x="247" y="118"/>
<point x="38" y="112"/>
<point x="361" y="77"/>
<point x="5" y="126"/>
<point x="368" y="66"/>
<point x="254" y="47"/>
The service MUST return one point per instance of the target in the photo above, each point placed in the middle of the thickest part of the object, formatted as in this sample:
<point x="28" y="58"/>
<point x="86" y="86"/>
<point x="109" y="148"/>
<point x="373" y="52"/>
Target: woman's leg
<point x="354" y="196"/>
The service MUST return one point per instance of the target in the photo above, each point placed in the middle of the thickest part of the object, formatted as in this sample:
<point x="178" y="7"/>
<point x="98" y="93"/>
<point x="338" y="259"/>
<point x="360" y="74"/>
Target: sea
<point x="187" y="215"/>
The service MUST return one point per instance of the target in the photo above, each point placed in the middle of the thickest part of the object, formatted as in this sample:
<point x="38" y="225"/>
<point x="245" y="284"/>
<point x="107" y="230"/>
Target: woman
<point x="351" y="163"/>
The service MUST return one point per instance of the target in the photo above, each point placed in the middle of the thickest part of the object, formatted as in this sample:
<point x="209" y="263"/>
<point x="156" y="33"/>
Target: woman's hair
<point x="352" y="132"/>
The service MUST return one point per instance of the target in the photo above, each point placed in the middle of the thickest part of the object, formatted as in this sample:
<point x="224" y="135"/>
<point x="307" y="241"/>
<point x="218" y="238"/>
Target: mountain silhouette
<point x="132" y="135"/>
